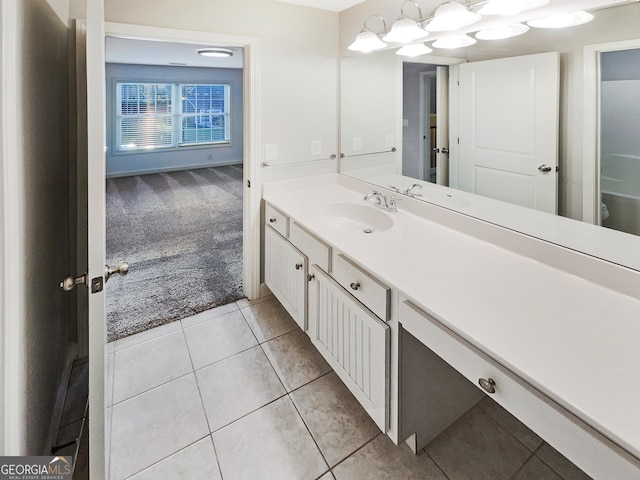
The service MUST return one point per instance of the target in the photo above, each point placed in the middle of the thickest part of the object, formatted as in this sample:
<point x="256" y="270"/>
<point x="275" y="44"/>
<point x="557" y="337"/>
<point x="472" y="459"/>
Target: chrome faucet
<point x="382" y="202"/>
<point x="409" y="192"/>
<point x="380" y="198"/>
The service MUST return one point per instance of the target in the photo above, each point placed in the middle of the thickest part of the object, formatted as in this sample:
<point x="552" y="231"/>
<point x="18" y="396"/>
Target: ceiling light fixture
<point x="414" y="50"/>
<point x="451" y="16"/>
<point x="215" y="52"/>
<point x="367" y="40"/>
<point x="561" y="20"/>
<point x="510" y="7"/>
<point x="502" y="32"/>
<point x="456" y="41"/>
<point x="405" y="29"/>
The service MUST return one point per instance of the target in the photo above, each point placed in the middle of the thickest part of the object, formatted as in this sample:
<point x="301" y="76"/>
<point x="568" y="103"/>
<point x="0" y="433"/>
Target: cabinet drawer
<point x="315" y="249"/>
<point x="588" y="449"/>
<point x="374" y="294"/>
<point x="277" y="220"/>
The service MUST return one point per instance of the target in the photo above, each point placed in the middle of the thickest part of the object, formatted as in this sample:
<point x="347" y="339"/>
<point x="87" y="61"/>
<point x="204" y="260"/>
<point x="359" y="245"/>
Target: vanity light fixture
<point x="451" y="16"/>
<point x="215" y="52"/>
<point x="562" y="20"/>
<point x="510" y="7"/>
<point x="405" y="29"/>
<point x="456" y="41"/>
<point x="414" y="50"/>
<point x="502" y="31"/>
<point x="367" y="40"/>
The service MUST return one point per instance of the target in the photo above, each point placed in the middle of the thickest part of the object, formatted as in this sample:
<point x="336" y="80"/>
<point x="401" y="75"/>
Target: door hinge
<point x="248" y="183"/>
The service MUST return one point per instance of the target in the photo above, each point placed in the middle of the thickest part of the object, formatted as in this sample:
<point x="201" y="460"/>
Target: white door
<point x="442" y="126"/>
<point x="96" y="244"/>
<point x="508" y="129"/>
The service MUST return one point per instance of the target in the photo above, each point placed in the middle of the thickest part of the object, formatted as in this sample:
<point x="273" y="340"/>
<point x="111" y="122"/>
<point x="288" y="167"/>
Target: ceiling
<point x="333" y="5"/>
<point x="147" y="52"/>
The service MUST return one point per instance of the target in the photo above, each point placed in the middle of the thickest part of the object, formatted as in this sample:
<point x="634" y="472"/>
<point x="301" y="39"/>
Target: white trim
<point x="252" y="136"/>
<point x="591" y="126"/>
<point x="12" y="294"/>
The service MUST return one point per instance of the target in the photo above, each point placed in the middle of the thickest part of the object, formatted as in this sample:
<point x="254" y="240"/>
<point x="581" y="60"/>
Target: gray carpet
<point x="181" y="233"/>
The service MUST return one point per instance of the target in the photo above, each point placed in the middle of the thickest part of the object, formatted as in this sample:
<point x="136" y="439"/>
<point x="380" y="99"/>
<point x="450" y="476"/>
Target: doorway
<point x="619" y="145"/>
<point x="595" y="188"/>
<point x="419" y="121"/>
<point x="174" y="191"/>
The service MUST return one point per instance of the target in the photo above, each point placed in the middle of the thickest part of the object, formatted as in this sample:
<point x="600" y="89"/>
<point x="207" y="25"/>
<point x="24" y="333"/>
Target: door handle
<point x="544" y="168"/>
<point x="445" y="151"/>
<point x="121" y="269"/>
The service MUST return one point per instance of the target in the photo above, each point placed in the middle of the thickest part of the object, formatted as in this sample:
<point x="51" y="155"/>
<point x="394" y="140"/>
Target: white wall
<point x="612" y="24"/>
<point x="298" y="65"/>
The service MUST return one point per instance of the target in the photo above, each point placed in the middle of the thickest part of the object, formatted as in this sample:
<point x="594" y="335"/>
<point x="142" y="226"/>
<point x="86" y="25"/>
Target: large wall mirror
<point x="396" y="132"/>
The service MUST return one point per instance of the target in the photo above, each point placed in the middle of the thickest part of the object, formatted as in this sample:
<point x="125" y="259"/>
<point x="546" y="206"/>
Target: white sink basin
<point x="355" y="217"/>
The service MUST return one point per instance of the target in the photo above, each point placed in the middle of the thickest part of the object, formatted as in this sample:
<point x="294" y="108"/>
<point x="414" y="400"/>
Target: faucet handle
<point x="391" y="203"/>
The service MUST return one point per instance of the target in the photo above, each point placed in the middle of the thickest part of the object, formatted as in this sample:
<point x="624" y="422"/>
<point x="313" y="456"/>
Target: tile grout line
<point x="435" y="462"/>
<point x="509" y="431"/>
<point x="195" y="377"/>
<point x="167" y="457"/>
<point x="354" y="452"/>
<point x="215" y="453"/>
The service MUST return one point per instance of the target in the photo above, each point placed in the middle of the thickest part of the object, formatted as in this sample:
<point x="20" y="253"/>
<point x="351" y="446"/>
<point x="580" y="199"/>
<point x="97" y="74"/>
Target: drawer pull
<point x="354" y="286"/>
<point x="272" y="220"/>
<point x="488" y="385"/>
<point x="298" y="266"/>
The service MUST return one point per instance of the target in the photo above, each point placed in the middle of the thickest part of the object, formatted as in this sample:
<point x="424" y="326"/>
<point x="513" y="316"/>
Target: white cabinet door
<point x="285" y="273"/>
<point x="354" y="342"/>
<point x="508" y="120"/>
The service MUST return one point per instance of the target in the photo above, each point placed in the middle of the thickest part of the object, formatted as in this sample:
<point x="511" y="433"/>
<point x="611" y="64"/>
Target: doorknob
<point x="69" y="282"/>
<point x="544" y="168"/>
<point x="121" y="269"/>
<point x="445" y="151"/>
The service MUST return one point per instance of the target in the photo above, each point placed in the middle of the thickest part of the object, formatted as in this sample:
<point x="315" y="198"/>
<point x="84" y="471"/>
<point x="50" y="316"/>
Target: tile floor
<point x="239" y="393"/>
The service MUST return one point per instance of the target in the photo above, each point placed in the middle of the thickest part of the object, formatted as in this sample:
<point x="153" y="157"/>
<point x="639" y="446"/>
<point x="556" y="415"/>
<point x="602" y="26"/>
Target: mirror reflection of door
<point x="421" y="120"/>
<point x="619" y="143"/>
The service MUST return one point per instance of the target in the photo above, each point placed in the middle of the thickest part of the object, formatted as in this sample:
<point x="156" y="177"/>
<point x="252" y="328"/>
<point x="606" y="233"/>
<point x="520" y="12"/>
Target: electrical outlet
<point x="316" y="147"/>
<point x="271" y="152"/>
<point x="357" y="144"/>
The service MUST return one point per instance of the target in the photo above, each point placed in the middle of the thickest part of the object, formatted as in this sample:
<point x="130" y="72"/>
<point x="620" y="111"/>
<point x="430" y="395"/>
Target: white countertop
<point x="575" y="341"/>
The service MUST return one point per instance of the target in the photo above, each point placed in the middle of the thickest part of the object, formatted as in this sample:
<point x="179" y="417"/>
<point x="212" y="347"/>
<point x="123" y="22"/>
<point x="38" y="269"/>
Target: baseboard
<point x="178" y="168"/>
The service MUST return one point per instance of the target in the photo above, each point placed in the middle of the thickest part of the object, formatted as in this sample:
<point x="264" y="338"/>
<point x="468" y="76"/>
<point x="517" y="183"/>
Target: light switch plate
<point x="271" y="152"/>
<point x="357" y="144"/>
<point x="316" y="147"/>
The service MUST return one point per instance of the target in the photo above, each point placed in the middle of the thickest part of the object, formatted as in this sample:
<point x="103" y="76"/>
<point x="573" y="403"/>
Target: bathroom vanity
<point x="423" y="311"/>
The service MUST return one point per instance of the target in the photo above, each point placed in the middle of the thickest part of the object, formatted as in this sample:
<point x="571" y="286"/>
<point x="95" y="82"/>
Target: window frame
<point x="176" y="117"/>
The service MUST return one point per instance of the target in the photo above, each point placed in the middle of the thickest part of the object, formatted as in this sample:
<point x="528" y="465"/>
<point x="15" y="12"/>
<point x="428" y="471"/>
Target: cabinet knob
<point x="298" y="266"/>
<point x="354" y="286"/>
<point x="488" y="385"/>
<point x="310" y="277"/>
<point x="272" y="220"/>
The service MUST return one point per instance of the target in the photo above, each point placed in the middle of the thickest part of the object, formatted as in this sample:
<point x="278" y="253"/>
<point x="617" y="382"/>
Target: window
<point x="162" y="115"/>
